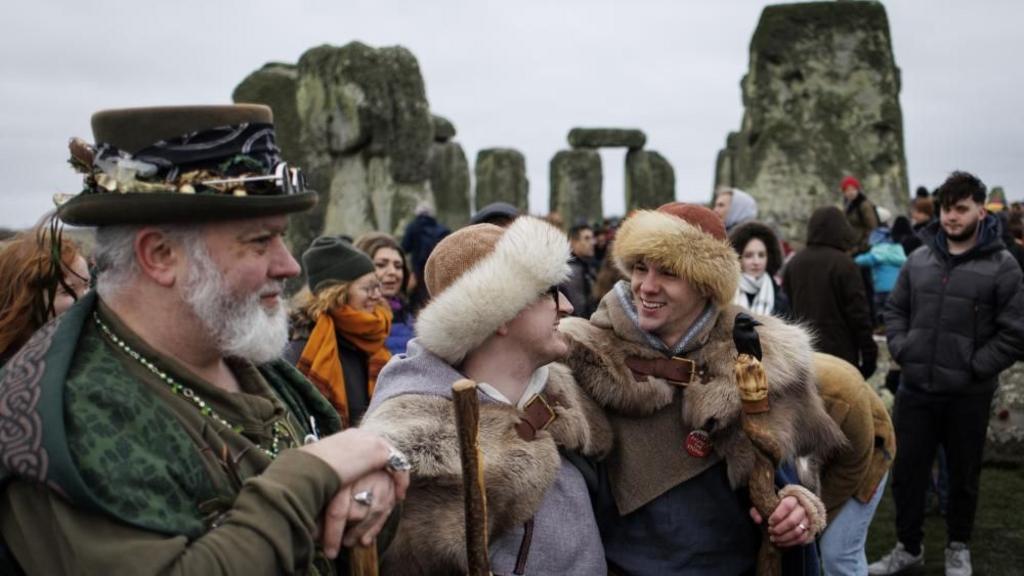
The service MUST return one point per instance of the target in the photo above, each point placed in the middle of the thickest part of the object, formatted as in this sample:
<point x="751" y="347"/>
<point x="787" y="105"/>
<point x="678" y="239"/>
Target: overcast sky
<point x="510" y="73"/>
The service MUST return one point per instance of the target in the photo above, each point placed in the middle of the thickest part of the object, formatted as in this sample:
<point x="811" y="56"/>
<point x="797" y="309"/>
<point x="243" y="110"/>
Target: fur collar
<point x="518" y="473"/>
<point x="599" y="349"/>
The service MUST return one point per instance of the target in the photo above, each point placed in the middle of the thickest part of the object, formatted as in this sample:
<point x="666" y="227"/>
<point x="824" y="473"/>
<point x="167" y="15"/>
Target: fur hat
<point x="688" y="240"/>
<point x="182" y="164"/>
<point x="482" y="276"/>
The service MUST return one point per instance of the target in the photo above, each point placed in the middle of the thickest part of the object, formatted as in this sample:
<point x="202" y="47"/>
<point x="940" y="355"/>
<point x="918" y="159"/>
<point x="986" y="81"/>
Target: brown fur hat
<point x="744" y="233"/>
<point x="686" y="239"/>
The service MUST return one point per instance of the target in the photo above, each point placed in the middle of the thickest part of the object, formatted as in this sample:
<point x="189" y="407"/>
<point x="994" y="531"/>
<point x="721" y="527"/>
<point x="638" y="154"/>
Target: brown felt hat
<point x="152" y="166"/>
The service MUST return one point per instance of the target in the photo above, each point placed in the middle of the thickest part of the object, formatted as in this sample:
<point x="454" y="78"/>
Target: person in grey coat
<point x="954" y="321"/>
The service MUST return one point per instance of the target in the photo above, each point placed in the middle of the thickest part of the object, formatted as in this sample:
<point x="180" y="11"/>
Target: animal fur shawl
<point x="517" y="473"/>
<point x="651" y="418"/>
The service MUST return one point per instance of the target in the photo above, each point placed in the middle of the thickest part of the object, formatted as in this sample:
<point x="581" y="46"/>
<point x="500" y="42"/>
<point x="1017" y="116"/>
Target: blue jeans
<point x="842" y="545"/>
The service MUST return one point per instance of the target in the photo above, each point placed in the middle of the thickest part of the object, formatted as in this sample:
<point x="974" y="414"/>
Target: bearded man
<point x="659" y="356"/>
<point x="152" y="428"/>
<point x="954" y="321"/>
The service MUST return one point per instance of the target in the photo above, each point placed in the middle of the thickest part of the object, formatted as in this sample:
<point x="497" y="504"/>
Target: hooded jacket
<point x="955" y="322"/>
<point x="884" y="258"/>
<point x="538" y="506"/>
<point x="827" y="293"/>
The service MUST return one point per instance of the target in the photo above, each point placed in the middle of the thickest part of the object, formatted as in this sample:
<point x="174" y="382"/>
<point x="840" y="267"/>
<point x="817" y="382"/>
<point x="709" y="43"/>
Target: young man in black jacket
<point x="954" y="321"/>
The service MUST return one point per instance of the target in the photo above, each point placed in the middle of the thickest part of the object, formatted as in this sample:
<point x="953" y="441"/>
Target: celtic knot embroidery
<point x="21" y="428"/>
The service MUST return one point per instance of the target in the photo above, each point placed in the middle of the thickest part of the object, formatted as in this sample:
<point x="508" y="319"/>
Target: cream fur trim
<point x="530" y="257"/>
<point x="711" y="265"/>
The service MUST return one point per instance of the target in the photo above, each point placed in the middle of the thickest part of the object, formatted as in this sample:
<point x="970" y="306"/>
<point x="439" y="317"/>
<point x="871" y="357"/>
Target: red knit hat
<point x="697" y="215"/>
<point x="849" y="181"/>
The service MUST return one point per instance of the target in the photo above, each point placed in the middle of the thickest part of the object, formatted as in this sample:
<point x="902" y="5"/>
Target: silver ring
<point x="365" y="497"/>
<point x="398" y="461"/>
<point x="802" y="527"/>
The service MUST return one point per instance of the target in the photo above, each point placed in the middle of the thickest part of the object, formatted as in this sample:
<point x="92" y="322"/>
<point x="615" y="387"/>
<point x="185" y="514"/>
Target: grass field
<point x="997" y="547"/>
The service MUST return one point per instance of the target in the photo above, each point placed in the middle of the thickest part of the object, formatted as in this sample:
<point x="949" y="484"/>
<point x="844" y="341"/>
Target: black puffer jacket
<point x="955" y="322"/>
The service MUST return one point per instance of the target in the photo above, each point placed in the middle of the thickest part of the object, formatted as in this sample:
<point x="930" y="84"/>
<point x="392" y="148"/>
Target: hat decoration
<point x="156" y="165"/>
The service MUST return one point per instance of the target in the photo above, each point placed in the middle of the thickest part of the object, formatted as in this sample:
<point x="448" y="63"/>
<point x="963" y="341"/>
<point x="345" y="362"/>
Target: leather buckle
<point x="545" y="406"/>
<point x="537" y="415"/>
<point x="688" y="368"/>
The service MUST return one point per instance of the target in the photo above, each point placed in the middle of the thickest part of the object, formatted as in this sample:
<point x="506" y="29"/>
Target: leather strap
<point x="677" y="370"/>
<point x="538" y="414"/>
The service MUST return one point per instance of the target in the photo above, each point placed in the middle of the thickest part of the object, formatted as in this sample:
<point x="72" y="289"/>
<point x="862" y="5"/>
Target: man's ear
<point x="159" y="258"/>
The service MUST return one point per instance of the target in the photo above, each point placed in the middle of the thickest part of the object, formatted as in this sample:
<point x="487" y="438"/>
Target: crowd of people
<point x="166" y="408"/>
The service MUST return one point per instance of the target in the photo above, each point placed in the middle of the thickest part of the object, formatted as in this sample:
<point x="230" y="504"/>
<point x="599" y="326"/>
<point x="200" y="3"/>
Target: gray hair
<point x="114" y="255"/>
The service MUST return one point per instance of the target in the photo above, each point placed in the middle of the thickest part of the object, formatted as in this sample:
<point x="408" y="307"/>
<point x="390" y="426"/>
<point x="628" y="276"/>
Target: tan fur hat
<point x="482" y="276"/>
<point x="688" y="240"/>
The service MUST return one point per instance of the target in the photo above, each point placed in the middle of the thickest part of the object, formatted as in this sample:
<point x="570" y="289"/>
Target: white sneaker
<point x="899" y="560"/>
<point x="958" y="559"/>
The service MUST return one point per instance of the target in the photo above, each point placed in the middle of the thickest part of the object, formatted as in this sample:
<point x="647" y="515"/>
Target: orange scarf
<point x="321" y="361"/>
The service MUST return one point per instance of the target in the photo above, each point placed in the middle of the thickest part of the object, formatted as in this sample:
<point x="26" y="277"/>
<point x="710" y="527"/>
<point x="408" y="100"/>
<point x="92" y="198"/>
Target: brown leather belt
<point x="677" y="370"/>
<point x="538" y="414"/>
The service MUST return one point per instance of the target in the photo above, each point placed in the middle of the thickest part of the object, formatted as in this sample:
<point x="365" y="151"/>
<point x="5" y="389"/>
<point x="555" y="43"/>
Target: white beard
<point x="239" y="324"/>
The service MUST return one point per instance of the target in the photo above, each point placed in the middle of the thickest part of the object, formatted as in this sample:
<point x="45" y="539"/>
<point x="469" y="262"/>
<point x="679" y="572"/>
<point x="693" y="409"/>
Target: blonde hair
<point x="312" y="305"/>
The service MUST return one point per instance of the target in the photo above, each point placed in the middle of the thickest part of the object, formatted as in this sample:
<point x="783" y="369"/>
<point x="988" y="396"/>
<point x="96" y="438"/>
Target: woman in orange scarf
<point x="339" y="326"/>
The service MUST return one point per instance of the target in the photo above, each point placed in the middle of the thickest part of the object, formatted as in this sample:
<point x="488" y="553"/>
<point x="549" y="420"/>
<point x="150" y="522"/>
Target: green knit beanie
<point x="331" y="259"/>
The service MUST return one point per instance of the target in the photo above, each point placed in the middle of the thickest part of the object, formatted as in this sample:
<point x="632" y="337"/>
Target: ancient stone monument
<point x="576" y="174"/>
<point x="356" y="119"/>
<point x="501" y="177"/>
<point x="449" y="176"/>
<point x="821" y="101"/>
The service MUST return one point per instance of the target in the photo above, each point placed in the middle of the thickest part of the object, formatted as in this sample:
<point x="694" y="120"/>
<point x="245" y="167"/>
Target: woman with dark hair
<point x="42" y="275"/>
<point x="760" y="259"/>
<point x="393" y="271"/>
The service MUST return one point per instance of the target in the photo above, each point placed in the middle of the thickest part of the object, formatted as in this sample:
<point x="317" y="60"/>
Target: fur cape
<point x="517" y="473"/>
<point x="530" y="257"/>
<point x="651" y="417"/>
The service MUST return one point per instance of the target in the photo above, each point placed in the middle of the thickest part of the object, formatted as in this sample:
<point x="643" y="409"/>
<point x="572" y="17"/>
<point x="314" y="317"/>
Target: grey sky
<point x="517" y="73"/>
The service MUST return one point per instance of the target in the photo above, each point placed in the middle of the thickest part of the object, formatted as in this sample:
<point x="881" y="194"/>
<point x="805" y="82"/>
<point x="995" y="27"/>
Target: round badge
<point x="698" y="444"/>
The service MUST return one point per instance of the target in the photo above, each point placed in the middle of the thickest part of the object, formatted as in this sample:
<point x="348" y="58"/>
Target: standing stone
<point x="501" y="177"/>
<point x="356" y="119"/>
<point x="821" y="102"/>
<point x="449" y="181"/>
<point x="607" y="138"/>
<point x="650" y="180"/>
<point x="576" y="186"/>
<point x="444" y="130"/>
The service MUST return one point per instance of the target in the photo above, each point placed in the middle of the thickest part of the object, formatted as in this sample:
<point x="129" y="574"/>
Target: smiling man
<point x="658" y="355"/>
<point x="152" y="428"/>
<point x="493" y="317"/>
<point x="954" y="321"/>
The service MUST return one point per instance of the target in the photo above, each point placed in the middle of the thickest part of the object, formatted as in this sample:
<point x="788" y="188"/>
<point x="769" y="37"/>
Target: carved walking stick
<point x="362" y="560"/>
<point x="467" y="422"/>
<point x="753" y="387"/>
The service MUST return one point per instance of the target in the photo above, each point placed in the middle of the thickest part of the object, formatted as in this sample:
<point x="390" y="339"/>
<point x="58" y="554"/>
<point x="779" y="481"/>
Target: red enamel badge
<point x="698" y="444"/>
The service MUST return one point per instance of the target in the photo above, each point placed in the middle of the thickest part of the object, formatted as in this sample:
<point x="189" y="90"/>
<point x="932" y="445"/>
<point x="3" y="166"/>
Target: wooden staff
<point x="467" y="422"/>
<point x="362" y="560"/>
<point x="753" y="385"/>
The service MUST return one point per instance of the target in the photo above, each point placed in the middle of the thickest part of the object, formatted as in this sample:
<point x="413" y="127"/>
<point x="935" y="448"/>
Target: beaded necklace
<point x="179" y="389"/>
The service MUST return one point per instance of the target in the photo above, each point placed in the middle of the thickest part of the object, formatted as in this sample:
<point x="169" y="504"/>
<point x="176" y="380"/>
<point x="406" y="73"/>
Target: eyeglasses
<point x="369" y="290"/>
<point x="287" y="179"/>
<point x="554" y="292"/>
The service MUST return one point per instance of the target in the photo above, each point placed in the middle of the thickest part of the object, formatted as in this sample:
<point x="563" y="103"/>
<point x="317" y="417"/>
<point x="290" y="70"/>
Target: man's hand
<point x="788" y="524"/>
<point x="367" y="520"/>
<point x="354" y="453"/>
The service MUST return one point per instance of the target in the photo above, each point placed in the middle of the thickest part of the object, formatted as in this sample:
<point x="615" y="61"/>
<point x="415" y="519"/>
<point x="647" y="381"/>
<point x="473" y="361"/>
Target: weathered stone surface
<point x="449" y="181"/>
<point x="821" y="101"/>
<point x="606" y="138"/>
<point x="356" y="119"/>
<point x="444" y="130"/>
<point x="650" y="180"/>
<point x="501" y="177"/>
<point x="576" y="186"/>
